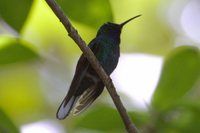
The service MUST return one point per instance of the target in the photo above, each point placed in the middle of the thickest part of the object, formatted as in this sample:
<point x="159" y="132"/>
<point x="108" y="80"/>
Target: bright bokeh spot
<point x="137" y="76"/>
<point x="190" y="20"/>
<point x="45" y="126"/>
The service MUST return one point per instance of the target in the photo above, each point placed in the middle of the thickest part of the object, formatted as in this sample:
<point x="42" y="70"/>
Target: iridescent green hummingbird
<point x="86" y="85"/>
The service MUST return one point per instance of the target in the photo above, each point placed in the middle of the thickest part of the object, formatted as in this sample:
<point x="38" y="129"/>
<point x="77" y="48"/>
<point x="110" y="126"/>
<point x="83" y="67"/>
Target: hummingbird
<point x="86" y="85"/>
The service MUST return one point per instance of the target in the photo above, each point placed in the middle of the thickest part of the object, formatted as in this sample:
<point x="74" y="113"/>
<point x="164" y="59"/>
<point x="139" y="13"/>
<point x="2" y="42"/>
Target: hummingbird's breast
<point x="108" y="55"/>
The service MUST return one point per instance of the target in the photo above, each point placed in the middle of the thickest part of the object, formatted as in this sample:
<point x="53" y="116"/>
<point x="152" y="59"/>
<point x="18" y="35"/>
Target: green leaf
<point x="91" y="12"/>
<point x="189" y="118"/>
<point x="15" y="12"/>
<point x="139" y="117"/>
<point x="180" y="72"/>
<point x="14" y="50"/>
<point x="103" y="118"/>
<point x="107" y="119"/>
<point x="6" y="124"/>
<point x="184" y="118"/>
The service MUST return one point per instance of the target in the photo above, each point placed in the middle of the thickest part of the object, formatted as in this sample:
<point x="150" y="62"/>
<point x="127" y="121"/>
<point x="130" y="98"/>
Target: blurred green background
<point x="37" y="62"/>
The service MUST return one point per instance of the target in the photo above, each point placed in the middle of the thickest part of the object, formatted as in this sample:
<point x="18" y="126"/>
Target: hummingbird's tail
<point x="66" y="107"/>
<point x="79" y="103"/>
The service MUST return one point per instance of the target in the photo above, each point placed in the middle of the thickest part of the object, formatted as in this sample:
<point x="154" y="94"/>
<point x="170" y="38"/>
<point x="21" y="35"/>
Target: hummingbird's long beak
<point x="122" y="24"/>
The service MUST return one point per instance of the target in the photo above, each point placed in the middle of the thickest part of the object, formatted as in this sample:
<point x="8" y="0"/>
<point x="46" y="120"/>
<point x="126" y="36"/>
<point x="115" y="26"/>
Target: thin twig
<point x="130" y="127"/>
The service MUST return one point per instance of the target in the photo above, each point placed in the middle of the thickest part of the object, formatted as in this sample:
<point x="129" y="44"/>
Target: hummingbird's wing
<point x="70" y="99"/>
<point x="88" y="94"/>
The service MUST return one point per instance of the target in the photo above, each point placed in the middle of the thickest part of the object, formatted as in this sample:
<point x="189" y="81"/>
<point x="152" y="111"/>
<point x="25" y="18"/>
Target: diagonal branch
<point x="130" y="127"/>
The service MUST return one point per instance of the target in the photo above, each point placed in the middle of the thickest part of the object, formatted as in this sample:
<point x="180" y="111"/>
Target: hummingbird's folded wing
<point x="94" y="90"/>
<point x="70" y="99"/>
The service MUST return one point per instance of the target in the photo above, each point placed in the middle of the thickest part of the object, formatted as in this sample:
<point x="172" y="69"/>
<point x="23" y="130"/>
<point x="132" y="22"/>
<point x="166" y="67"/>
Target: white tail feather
<point x="64" y="110"/>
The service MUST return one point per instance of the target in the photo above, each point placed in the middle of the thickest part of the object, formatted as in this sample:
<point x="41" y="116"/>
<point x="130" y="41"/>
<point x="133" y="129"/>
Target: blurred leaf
<point x="91" y="12"/>
<point x="139" y="118"/>
<point x="180" y="72"/>
<point x="184" y="118"/>
<point x="103" y="119"/>
<point x="15" y="12"/>
<point x="20" y="93"/>
<point x="189" y="119"/>
<point x="107" y="119"/>
<point x="6" y="125"/>
<point x="14" y="50"/>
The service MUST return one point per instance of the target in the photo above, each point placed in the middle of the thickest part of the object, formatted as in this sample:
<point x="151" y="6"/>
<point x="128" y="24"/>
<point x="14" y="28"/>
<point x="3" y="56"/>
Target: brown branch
<point x="130" y="127"/>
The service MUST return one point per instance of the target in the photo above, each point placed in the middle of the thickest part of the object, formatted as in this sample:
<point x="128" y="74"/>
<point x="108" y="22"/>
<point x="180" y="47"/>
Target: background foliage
<point x="37" y="62"/>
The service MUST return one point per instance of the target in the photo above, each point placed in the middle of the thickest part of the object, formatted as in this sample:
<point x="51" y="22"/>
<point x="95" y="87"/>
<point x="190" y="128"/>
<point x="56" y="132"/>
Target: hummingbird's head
<point x="113" y="30"/>
<point x="110" y="30"/>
